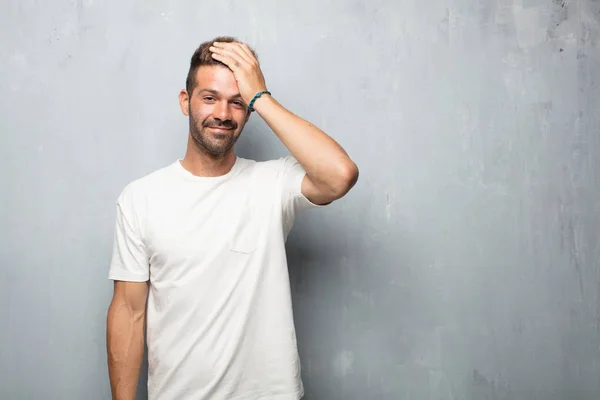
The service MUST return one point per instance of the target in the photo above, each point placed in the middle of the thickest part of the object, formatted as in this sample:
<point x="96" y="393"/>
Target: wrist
<point x="258" y="98"/>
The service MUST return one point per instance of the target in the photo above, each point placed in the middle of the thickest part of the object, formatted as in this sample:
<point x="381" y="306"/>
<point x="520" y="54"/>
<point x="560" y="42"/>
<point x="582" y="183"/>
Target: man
<point x="202" y="240"/>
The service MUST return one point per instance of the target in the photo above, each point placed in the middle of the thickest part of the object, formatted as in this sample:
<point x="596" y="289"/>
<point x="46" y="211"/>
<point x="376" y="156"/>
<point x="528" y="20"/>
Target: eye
<point x="239" y="104"/>
<point x="209" y="98"/>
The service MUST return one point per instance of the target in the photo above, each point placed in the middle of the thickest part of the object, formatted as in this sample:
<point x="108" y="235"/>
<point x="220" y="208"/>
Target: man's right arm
<point x="125" y="324"/>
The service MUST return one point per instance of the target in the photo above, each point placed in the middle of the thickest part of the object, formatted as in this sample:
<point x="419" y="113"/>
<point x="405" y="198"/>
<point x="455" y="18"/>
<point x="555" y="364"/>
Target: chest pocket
<point x="248" y="232"/>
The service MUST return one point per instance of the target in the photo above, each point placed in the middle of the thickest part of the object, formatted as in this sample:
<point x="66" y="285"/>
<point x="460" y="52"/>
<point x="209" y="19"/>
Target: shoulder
<point x="144" y="186"/>
<point x="278" y="171"/>
<point x="283" y="169"/>
<point x="274" y="166"/>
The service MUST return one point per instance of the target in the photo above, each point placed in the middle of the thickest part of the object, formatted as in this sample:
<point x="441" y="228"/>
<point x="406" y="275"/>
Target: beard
<point x="206" y="142"/>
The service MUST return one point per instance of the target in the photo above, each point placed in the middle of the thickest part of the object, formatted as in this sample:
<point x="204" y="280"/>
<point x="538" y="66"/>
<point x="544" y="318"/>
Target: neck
<point x="201" y="163"/>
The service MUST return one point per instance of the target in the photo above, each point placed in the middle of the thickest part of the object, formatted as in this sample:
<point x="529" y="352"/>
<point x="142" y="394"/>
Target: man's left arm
<point x="330" y="173"/>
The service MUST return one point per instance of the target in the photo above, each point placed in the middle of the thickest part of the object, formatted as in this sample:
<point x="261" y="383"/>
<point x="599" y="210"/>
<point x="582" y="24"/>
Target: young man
<point x="202" y="240"/>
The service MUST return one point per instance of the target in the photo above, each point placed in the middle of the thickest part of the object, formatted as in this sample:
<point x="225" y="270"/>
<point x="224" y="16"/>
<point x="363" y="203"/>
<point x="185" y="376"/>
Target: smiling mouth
<point x="219" y="128"/>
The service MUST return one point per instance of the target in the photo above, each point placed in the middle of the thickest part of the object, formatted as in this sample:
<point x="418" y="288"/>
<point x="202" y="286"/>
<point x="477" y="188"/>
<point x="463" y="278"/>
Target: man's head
<point x="211" y="99"/>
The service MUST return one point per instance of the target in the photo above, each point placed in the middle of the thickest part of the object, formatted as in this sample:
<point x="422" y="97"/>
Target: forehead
<point x="216" y="77"/>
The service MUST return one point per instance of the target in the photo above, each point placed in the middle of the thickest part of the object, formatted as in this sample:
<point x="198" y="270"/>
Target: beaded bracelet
<point x="250" y="107"/>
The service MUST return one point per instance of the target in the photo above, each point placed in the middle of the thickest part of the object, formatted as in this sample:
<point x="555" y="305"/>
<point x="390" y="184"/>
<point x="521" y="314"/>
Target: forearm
<point x="125" y="345"/>
<point x="323" y="159"/>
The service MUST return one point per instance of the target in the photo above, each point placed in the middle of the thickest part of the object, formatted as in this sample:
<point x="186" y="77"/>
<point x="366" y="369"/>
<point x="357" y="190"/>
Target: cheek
<point x="241" y="123"/>
<point x="199" y="113"/>
<point x="241" y="118"/>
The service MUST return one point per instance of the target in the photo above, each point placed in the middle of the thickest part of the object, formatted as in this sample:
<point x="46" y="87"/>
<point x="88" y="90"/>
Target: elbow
<point x="347" y="178"/>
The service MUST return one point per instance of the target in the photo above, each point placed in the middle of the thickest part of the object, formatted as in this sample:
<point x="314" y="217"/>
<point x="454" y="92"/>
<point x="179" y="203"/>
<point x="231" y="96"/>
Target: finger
<point x="229" y="53"/>
<point x="230" y="62"/>
<point x="248" y="52"/>
<point x="235" y="48"/>
<point x="245" y="51"/>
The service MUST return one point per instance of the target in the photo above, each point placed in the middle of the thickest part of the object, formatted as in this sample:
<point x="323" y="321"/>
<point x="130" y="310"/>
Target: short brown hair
<point x="202" y="56"/>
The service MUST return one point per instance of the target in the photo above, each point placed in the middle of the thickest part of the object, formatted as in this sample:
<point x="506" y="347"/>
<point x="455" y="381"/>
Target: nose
<point x="222" y="111"/>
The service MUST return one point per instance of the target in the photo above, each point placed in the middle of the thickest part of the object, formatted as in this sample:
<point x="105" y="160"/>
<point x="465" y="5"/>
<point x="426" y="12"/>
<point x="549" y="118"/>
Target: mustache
<point x="223" y="124"/>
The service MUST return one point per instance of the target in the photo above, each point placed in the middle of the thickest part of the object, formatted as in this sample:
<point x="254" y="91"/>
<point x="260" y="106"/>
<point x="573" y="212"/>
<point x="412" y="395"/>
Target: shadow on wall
<point x="142" y="390"/>
<point x="354" y="295"/>
<point x="362" y="307"/>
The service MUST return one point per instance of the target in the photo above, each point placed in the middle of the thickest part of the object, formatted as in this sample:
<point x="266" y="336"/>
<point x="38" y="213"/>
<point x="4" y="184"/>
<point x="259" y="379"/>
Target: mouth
<point x="220" y="128"/>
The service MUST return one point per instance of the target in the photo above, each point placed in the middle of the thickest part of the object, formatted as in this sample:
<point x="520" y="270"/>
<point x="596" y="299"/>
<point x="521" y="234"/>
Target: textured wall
<point x="465" y="263"/>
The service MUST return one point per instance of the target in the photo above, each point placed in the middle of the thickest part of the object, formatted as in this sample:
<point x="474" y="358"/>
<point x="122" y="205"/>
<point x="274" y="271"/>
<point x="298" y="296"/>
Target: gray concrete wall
<point x="465" y="263"/>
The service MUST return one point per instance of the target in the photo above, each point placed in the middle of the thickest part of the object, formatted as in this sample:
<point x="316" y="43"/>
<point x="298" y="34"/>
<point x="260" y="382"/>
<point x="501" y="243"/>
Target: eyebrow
<point x="212" y="91"/>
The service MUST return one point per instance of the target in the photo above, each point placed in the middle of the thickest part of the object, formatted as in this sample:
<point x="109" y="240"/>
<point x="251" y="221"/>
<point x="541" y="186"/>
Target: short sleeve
<point x="293" y="201"/>
<point x="129" y="257"/>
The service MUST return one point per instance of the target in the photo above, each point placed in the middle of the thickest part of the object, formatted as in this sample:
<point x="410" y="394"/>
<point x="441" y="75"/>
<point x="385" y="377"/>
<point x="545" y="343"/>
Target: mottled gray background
<point x="464" y="264"/>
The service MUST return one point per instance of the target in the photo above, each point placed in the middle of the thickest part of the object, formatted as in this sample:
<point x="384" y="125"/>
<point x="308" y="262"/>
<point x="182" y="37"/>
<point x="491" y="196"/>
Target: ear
<point x="184" y="102"/>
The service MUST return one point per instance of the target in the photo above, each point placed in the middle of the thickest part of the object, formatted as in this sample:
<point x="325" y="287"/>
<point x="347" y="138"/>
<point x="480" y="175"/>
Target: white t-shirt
<point x="219" y="311"/>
